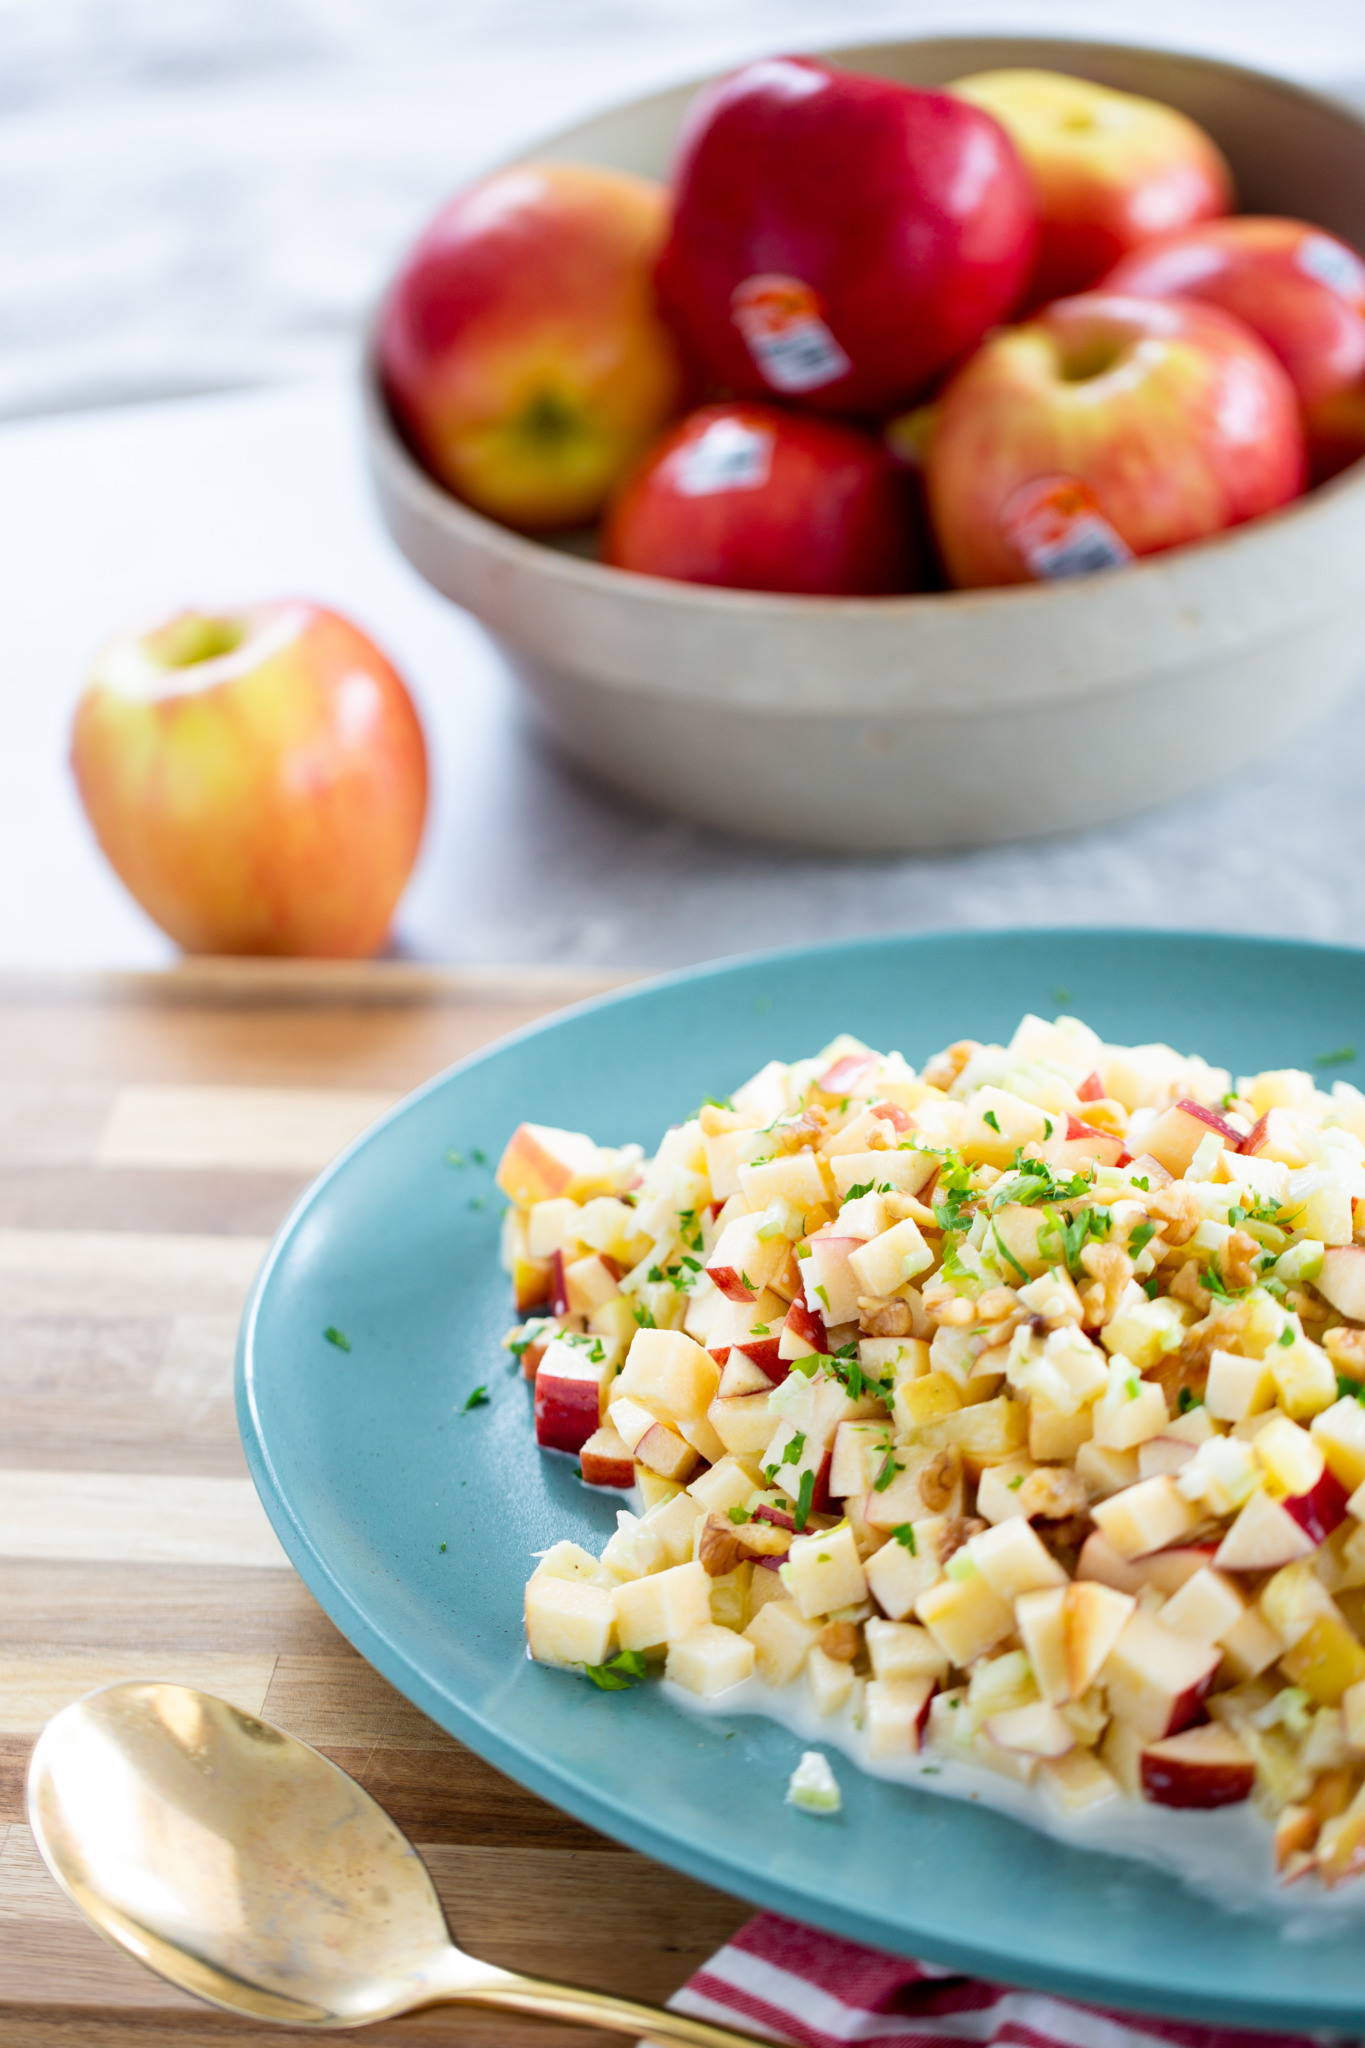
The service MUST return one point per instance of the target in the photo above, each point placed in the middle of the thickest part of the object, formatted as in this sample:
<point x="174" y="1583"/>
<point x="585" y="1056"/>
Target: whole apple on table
<point x="1020" y="308"/>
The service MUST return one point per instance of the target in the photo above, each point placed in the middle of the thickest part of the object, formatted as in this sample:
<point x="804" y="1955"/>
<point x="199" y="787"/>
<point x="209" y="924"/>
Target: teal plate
<point x="414" y="1522"/>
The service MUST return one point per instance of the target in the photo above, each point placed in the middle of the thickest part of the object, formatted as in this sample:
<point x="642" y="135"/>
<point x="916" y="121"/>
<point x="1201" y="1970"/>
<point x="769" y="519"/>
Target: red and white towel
<point x="788" y="1983"/>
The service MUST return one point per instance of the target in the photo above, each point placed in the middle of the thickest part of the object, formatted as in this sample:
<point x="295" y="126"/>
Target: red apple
<point x="521" y="346"/>
<point x="1297" y="287"/>
<point x="1155" y="1679"/>
<point x="1178" y="1133"/>
<point x="1082" y="1144"/>
<point x="257" y="779"/>
<point x="605" y="1461"/>
<point x="804" y="1331"/>
<point x="571" y="1389"/>
<point x="840" y="239"/>
<point x="759" y="499"/>
<point x="1204" y="1767"/>
<point x="1321" y="1510"/>
<point x="1105" y="428"/>
<point x="1110" y="169"/>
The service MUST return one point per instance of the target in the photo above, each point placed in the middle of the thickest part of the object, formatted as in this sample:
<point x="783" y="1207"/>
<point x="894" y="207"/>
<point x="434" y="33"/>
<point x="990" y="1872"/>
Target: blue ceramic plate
<point x="414" y="1522"/>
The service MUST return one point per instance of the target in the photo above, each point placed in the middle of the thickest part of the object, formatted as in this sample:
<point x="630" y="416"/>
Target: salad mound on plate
<point x="1013" y="1410"/>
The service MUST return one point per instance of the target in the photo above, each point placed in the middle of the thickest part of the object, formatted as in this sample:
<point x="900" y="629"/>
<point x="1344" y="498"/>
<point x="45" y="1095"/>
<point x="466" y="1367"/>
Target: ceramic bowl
<point x="949" y="719"/>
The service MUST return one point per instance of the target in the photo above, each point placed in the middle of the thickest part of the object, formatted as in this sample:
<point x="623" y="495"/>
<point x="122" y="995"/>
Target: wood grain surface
<point x="153" y="1132"/>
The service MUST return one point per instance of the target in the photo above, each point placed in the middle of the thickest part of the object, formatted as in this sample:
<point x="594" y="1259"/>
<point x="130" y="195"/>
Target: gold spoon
<point x="237" y="1862"/>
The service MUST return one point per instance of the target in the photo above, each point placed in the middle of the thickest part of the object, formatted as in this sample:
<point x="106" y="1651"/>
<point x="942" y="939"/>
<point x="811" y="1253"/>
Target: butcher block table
<point x="154" y="1130"/>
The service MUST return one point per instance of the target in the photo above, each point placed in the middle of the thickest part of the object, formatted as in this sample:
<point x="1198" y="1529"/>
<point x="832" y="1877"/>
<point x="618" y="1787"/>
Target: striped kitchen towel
<point x="788" y="1983"/>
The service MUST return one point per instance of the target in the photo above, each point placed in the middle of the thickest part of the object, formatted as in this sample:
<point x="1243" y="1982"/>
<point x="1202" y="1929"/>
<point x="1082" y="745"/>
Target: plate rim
<point x="602" y="1810"/>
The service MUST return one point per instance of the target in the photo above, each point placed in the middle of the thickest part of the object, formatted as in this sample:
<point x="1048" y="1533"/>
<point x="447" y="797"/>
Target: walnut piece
<point x="1177" y="1210"/>
<point x="878" y="1318"/>
<point x="1346" y="1348"/>
<point x="1053" y="1493"/>
<point x="1110" y="1270"/>
<point x="800" y="1131"/>
<point x="939" y="1479"/>
<point x="840" y="1640"/>
<point x="1186" y="1286"/>
<point x="1241" y="1258"/>
<point x="721" y="1549"/>
<point x="954" y="1534"/>
<point x="943" y="1069"/>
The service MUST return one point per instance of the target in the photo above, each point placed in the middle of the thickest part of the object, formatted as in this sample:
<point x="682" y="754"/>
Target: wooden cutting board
<point x="153" y="1132"/>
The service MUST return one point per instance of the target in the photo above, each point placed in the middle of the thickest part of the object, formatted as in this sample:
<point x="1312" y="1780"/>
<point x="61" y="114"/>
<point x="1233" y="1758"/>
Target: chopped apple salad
<point x="1012" y="1410"/>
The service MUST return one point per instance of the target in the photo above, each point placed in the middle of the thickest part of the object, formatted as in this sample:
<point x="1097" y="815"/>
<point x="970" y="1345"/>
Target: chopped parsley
<point x="1143" y="1181"/>
<point x="1061" y="995"/>
<point x="1006" y="1253"/>
<point x="478" y="1201"/>
<point x="479" y="1158"/>
<point x="337" y="1337"/>
<point x="618" y="1675"/>
<point x="454" y="1158"/>
<point x="1286" y="1337"/>
<point x="477" y="1399"/>
<point x="904" y="1534"/>
<point x="792" y="1454"/>
<point x="1344" y="1056"/>
<point x="819" y="1290"/>
<point x="1185" y="1400"/>
<point x="1213" y="1280"/>
<point x="1016" y="1482"/>
<point x="1349" y="1389"/>
<point x="739" y="1515"/>
<point x="442" y="1546"/>
<point x="643" y="1318"/>
<point x="1062" y="1239"/>
<point x="803" y="1499"/>
<point x="1141" y="1237"/>
<point x="993" y="1120"/>
<point x="1033" y="1182"/>
<point x="887" y="1473"/>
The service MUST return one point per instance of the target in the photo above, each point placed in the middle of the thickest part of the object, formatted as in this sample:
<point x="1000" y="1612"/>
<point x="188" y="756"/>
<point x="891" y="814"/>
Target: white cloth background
<point x="201" y="197"/>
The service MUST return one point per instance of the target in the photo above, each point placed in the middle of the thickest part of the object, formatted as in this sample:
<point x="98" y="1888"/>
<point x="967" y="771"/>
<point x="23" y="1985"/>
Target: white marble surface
<point x="200" y="199"/>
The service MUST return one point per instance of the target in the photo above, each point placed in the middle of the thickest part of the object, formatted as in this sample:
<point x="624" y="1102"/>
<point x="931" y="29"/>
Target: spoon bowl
<point x="244" y="1867"/>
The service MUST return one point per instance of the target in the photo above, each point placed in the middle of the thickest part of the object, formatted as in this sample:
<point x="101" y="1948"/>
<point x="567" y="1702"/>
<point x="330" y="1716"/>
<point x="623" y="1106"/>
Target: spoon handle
<point x="512" y="1992"/>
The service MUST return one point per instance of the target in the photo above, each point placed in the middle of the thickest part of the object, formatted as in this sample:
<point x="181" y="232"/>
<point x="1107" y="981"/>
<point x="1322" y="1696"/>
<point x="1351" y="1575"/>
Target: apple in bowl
<point x="759" y="499"/>
<point x="839" y="239"/>
<point x="1106" y="428"/>
<point x="256" y="779"/>
<point x="1297" y="287"/>
<point x="1111" y="169"/>
<point x="521" y="347"/>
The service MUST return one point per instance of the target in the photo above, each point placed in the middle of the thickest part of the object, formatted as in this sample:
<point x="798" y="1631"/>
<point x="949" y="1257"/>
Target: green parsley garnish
<point x="1061" y="995"/>
<point x="1348" y="1389"/>
<point x="1016" y="1482"/>
<point x="620" y="1673"/>
<point x="478" y="1201"/>
<point x="792" y="1454"/>
<point x="993" y="1120"/>
<point x="479" y="1158"/>
<point x="454" y="1158"/>
<point x="904" y="1535"/>
<point x="643" y="1318"/>
<point x="477" y="1399"/>
<point x="443" y="1546"/>
<point x="804" y="1499"/>
<point x="1141" y="1237"/>
<point x="1286" y="1337"/>
<point x="1185" y="1400"/>
<point x="1344" y="1056"/>
<point x="738" y="1515"/>
<point x="337" y="1337"/>
<point x="1143" y="1181"/>
<point x="888" y="1472"/>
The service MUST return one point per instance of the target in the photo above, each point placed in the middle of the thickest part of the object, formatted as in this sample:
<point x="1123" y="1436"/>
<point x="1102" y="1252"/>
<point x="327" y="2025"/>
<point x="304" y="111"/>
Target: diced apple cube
<point x="1094" y="1617"/>
<point x="782" y="1639"/>
<point x="1305" y="1377"/>
<point x="710" y="1660"/>
<point x="1035" y="1730"/>
<point x="1325" y="1214"/>
<point x="541" y="1163"/>
<point x="1250" y="1646"/>
<point x="1144" y="1331"/>
<point x="728" y="1142"/>
<point x="1327" y="1660"/>
<point x="831" y="1288"/>
<point x="897" y="1574"/>
<point x="899" y="1649"/>
<point x="552" y="1227"/>
<point x="741" y="1263"/>
<point x="1262" y="1538"/>
<point x="964" y="1613"/>
<point x="566" y="1561"/>
<point x="744" y="1423"/>
<point x="674" y="1521"/>
<point x="1340" y="1432"/>
<point x="1207" y="1606"/>
<point x="1178" y="1133"/>
<point x="1130" y="1410"/>
<point x="1342" y="1280"/>
<point x="1145" y="1517"/>
<point x="605" y="1461"/>
<point x="1012" y="1559"/>
<point x="664" y="1606"/>
<point x="1077" y="1781"/>
<point x="904" y="1173"/>
<point x="859" y="1452"/>
<point x="894" y="1714"/>
<point x="1353" y="1717"/>
<point x="1104" y="1472"/>
<point x="824" y="1571"/>
<point x="924" y="1399"/>
<point x="831" y="1681"/>
<point x="1289" y="1455"/>
<point x="740" y="1375"/>
<point x="1155" y="1678"/>
<point x="794" y="1177"/>
<point x="664" y="1451"/>
<point x="1012" y="1123"/>
<point x="885" y="1263"/>
<point x="569" y="1621"/>
<point x="654" y="1490"/>
<point x="671" y="1373"/>
<point x="571" y="1392"/>
<point x="634" y="1551"/>
<point x="727" y="1484"/>
<point x="986" y="1433"/>
<point x="1015" y="1230"/>
<point x="589" y="1282"/>
<point x="1238" y="1387"/>
<point x="1202" y="1768"/>
<point x="1041" y="1621"/>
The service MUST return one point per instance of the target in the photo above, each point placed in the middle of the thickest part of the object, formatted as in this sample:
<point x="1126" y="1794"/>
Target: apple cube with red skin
<point x="1084" y="1144"/>
<point x="1263" y="1537"/>
<point x="734" y="1323"/>
<point x="1178" y="1133"/>
<point x="843" y="1077"/>
<point x="1201" y="1768"/>
<point x="1321" y="1510"/>
<point x="741" y="1263"/>
<point x="742" y="1375"/>
<point x="1342" y="1280"/>
<point x="571" y="1394"/>
<point x="803" y="1332"/>
<point x="1276" y="1135"/>
<point x="1156" y="1680"/>
<point x="540" y="1163"/>
<point x="605" y="1461"/>
<point x="671" y="1373"/>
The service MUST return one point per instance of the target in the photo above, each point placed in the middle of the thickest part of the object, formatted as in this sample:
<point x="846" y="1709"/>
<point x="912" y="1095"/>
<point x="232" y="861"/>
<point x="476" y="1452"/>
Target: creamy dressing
<point x="1224" y="1854"/>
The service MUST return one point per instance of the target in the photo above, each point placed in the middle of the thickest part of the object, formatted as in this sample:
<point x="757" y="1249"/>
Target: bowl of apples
<point x="924" y="445"/>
